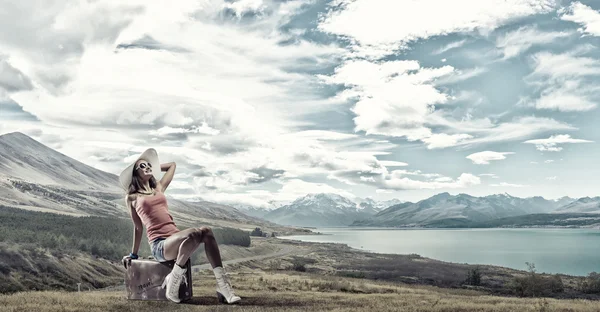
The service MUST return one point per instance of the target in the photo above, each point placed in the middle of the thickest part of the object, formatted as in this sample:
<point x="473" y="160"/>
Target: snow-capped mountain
<point x="582" y="205"/>
<point x="320" y="210"/>
<point x="378" y="205"/>
<point x="445" y="210"/>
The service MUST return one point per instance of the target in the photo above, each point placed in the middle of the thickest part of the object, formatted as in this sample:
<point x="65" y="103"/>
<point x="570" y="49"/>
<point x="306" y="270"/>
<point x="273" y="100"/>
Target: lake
<point x="568" y="251"/>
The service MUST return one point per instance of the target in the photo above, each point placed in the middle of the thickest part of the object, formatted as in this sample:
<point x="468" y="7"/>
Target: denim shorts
<point x="158" y="249"/>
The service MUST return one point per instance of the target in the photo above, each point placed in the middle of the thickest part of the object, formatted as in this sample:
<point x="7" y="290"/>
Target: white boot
<point x="224" y="289"/>
<point x="173" y="282"/>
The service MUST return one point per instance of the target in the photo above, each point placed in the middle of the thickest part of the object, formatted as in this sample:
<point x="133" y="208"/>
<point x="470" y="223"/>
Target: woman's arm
<point x="137" y="227"/>
<point x="166" y="179"/>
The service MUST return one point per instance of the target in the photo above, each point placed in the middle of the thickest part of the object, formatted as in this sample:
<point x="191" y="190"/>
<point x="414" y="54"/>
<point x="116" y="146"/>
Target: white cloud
<point x="412" y="20"/>
<point x="550" y="144"/>
<point x="204" y="129"/>
<point x="551" y="178"/>
<point x="460" y="76"/>
<point x="548" y="161"/>
<point x="516" y="42"/>
<point x="562" y="80"/>
<point x="504" y="184"/>
<point x="484" y="130"/>
<point x="584" y="15"/>
<point x="391" y="163"/>
<point x="396" y="181"/>
<point x="484" y="158"/>
<point x="491" y="175"/>
<point x="393" y="97"/>
<point x="450" y="46"/>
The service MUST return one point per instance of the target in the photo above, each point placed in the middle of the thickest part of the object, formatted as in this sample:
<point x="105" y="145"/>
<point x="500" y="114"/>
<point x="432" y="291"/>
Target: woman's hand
<point x="126" y="261"/>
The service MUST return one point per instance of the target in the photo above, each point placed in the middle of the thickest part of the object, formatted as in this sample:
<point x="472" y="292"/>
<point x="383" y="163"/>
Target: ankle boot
<point x="173" y="282"/>
<point x="224" y="289"/>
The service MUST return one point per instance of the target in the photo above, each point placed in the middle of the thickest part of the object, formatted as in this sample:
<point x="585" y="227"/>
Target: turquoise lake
<point x="567" y="251"/>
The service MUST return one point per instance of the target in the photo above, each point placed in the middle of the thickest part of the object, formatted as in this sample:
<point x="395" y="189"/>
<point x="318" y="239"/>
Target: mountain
<point x="370" y="203"/>
<point x="31" y="161"/>
<point x="33" y="176"/>
<point x="320" y="210"/>
<point x="258" y="212"/>
<point x="447" y="210"/>
<point x="582" y="205"/>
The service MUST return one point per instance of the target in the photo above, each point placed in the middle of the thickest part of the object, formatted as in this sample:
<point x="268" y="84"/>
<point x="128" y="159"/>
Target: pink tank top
<point x="154" y="213"/>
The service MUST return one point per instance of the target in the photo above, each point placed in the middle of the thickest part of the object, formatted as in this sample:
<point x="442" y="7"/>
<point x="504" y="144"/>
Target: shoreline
<point x="293" y="238"/>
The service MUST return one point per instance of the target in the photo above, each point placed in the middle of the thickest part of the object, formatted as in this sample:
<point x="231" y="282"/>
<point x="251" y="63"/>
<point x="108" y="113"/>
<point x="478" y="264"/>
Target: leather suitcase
<point x="144" y="278"/>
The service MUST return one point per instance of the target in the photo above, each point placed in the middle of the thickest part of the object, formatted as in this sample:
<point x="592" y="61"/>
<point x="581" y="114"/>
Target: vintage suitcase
<point x="144" y="278"/>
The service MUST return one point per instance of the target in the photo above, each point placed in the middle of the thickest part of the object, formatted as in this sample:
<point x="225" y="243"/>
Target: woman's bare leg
<point x="211" y="248"/>
<point x="181" y="246"/>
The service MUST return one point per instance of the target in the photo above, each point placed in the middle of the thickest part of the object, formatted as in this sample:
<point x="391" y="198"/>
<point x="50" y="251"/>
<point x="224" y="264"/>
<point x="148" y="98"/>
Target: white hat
<point x="149" y="155"/>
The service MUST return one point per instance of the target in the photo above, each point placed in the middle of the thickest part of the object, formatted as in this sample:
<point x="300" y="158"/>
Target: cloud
<point x="553" y="178"/>
<point x="371" y="36"/>
<point x="203" y="129"/>
<point x="391" y="163"/>
<point x="12" y="79"/>
<point x="396" y="181"/>
<point x="550" y="144"/>
<point x="548" y="161"/>
<point x="149" y="43"/>
<point x="516" y="42"/>
<point x="484" y="130"/>
<point x="584" y="15"/>
<point x="484" y="158"/>
<point x="393" y="97"/>
<point x="450" y="46"/>
<point x="504" y="184"/>
<point x="564" y="81"/>
<point x="491" y="175"/>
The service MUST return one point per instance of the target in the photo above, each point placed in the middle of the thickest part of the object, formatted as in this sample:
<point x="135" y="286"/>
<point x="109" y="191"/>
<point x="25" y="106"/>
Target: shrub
<point x="473" y="277"/>
<point x="257" y="232"/>
<point x="231" y="236"/>
<point x="536" y="285"/>
<point x="591" y="284"/>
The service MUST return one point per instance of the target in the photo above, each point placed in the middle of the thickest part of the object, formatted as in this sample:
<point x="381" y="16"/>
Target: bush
<point x="536" y="285"/>
<point x="299" y="263"/>
<point x="591" y="284"/>
<point x="231" y="236"/>
<point x="257" y="232"/>
<point x="473" y="277"/>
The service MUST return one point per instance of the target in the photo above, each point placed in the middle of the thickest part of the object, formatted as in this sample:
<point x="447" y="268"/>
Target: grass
<point x="294" y="291"/>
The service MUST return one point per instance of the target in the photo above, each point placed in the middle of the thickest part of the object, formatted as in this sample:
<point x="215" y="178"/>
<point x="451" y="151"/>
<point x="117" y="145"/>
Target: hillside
<point x="29" y="160"/>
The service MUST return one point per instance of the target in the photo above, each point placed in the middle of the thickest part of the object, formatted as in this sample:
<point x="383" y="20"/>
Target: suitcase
<point x="144" y="278"/>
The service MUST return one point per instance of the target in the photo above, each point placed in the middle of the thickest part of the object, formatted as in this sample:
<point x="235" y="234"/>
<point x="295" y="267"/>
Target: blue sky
<point x="262" y="101"/>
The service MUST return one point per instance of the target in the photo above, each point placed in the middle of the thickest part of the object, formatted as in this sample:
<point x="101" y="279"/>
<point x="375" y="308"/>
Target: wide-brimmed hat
<point x="150" y="156"/>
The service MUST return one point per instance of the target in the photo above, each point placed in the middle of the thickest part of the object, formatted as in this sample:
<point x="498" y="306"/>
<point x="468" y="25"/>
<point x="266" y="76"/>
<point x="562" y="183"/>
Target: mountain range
<point x="440" y="210"/>
<point x="445" y="209"/>
<point x="36" y="177"/>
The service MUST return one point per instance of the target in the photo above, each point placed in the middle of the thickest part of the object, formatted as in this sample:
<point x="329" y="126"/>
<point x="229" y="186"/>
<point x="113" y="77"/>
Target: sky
<point x="263" y="101"/>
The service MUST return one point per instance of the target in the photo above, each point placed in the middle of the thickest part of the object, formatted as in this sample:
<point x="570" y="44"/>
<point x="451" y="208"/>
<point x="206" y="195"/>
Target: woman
<point x="147" y="206"/>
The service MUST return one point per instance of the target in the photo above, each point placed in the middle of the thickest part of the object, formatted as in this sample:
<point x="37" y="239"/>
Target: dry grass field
<point x="295" y="291"/>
